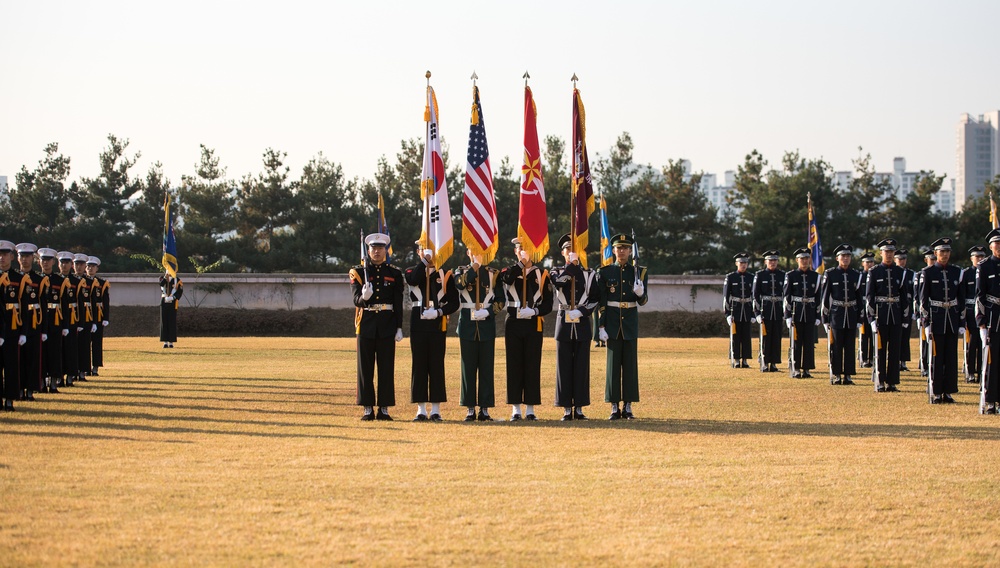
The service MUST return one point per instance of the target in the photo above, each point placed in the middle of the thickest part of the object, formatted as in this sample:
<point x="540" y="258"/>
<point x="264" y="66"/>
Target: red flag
<point x="479" y="209"/>
<point x="583" y="189"/>
<point x="532" y="219"/>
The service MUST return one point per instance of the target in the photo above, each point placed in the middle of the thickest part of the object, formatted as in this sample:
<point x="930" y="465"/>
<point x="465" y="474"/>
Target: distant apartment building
<point x="3" y="183"/>
<point x="978" y="155"/>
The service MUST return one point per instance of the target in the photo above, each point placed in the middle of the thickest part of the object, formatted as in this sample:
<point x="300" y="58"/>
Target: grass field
<point x="229" y="451"/>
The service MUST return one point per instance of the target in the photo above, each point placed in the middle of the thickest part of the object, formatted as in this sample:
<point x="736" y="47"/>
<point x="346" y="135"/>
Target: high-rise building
<point x="3" y="183"/>
<point x="978" y="155"/>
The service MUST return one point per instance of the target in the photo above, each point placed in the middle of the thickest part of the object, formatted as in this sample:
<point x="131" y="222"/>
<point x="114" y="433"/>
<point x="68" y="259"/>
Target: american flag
<point x="479" y="210"/>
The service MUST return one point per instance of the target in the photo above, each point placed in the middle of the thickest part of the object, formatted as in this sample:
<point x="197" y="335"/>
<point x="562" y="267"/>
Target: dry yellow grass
<point x="249" y="452"/>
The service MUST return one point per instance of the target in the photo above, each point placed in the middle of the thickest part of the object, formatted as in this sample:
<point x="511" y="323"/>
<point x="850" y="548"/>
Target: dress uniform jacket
<point x="71" y="317"/>
<point x="801" y="296"/>
<point x="54" y="305"/>
<point x="34" y="286"/>
<point x="11" y="328"/>
<point x="988" y="316"/>
<point x="477" y="338"/>
<point x="973" y="365"/>
<point x="88" y="313"/>
<point x="620" y="319"/>
<point x="375" y="323"/>
<point x="168" y="309"/>
<point x="841" y="302"/>
<point x="887" y="307"/>
<point x="573" y="339"/>
<point x="737" y="302"/>
<point x="942" y="310"/>
<point x="523" y="337"/>
<point x="768" y="286"/>
<point x="427" y="337"/>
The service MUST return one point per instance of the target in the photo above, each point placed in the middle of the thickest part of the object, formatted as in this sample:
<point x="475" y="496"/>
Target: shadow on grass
<point x="229" y="408"/>
<point x="155" y="395"/>
<point x="111" y="415"/>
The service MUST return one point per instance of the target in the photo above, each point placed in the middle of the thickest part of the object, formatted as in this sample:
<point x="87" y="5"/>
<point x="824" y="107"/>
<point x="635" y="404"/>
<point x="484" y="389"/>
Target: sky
<point x="705" y="81"/>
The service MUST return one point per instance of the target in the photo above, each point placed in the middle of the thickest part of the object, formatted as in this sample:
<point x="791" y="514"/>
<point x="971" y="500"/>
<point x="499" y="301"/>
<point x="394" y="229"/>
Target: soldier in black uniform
<point x="768" y="286"/>
<point x="71" y="318"/>
<point x="54" y="327"/>
<point x="477" y="333"/>
<point x="887" y="308"/>
<point x="908" y="277"/>
<point x="973" y="366"/>
<point x="577" y="299"/>
<point x="925" y="357"/>
<point x="942" y="309"/>
<point x="86" y="325"/>
<point x="801" y="297"/>
<point x="100" y="295"/>
<point x="841" y="300"/>
<point x="988" y="323"/>
<point x="377" y="287"/>
<point x="10" y="329"/>
<point x="737" y="302"/>
<point x="529" y="299"/>
<point x="33" y="287"/>
<point x="866" y="343"/>
<point x="428" y="332"/>
<point x="171" y="290"/>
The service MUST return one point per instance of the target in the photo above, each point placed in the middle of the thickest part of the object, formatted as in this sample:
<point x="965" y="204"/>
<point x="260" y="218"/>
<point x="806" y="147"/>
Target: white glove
<point x="105" y="323"/>
<point x="984" y="334"/>
<point x="573" y="257"/>
<point x="961" y="331"/>
<point x="523" y="256"/>
<point x="367" y="291"/>
<point x="788" y="322"/>
<point x="826" y="326"/>
<point x="602" y="334"/>
<point x="79" y="329"/>
<point x="429" y="314"/>
<point x="1" y="342"/>
<point x="574" y="314"/>
<point x="525" y="313"/>
<point x="399" y="334"/>
<point x="817" y="322"/>
<point x="760" y="319"/>
<point x="906" y="325"/>
<point x="930" y="335"/>
<point x="860" y="325"/>
<point x="93" y="328"/>
<point x="874" y="325"/>
<point x="21" y="340"/>
<point x="428" y="254"/>
<point x="168" y="299"/>
<point x="65" y="332"/>
<point x="45" y="337"/>
<point x="729" y="320"/>
<point x="639" y="289"/>
<point x="482" y="314"/>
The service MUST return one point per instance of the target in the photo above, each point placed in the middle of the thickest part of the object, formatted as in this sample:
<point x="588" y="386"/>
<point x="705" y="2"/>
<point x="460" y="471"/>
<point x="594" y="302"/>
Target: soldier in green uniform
<point x="477" y="332"/>
<point x="622" y="289"/>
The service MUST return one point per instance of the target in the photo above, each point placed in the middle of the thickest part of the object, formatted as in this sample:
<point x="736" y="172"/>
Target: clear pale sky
<point x="707" y="81"/>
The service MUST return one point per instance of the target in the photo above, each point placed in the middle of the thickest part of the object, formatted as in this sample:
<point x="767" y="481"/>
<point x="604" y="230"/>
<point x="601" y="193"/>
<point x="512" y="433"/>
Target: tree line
<point x="271" y="221"/>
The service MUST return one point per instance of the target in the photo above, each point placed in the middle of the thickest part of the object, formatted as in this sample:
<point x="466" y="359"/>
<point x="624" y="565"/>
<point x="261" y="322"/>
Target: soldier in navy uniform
<point x="432" y="304"/>
<point x="737" y="302"/>
<point x="576" y="296"/>
<point x="973" y="366"/>
<point x="866" y="344"/>
<point x="10" y="331"/>
<point x="171" y="290"/>
<point x="801" y="298"/>
<point x="942" y="309"/>
<point x="34" y="286"/>
<point x="101" y="297"/>
<point x="86" y="325"/>
<point x="887" y="308"/>
<point x="622" y="289"/>
<point x="988" y="323"/>
<point x="529" y="299"/>
<point x="768" y="286"/>
<point x="377" y="288"/>
<point x="477" y="333"/>
<point x="70" y="317"/>
<point x="924" y="364"/>
<point x="908" y="278"/>
<point x="841" y="300"/>
<point x="53" y="324"/>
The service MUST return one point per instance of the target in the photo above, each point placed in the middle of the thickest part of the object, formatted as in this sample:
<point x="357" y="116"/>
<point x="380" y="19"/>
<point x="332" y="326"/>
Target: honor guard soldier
<point x="71" y="318"/>
<point x="768" y="286"/>
<point x="908" y="277"/>
<point x="54" y="324"/>
<point x="622" y="289"/>
<point x="86" y="326"/>
<point x="529" y="299"/>
<point x="577" y="299"/>
<point x="100" y="295"/>
<point x="924" y="364"/>
<point x="801" y="296"/>
<point x="377" y="287"/>
<point x="737" y="302"/>
<point x="841" y="300"/>
<point x="477" y="333"/>
<point x="434" y="298"/>
<point x="973" y="366"/>
<point x="171" y="290"/>
<point x="10" y="326"/>
<point x="942" y="309"/>
<point x="33" y="287"/>
<point x="866" y="339"/>
<point x="887" y="309"/>
<point x="988" y="322"/>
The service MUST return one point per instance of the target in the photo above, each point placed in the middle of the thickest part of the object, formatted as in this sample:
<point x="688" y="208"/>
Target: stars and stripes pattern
<point x="479" y="210"/>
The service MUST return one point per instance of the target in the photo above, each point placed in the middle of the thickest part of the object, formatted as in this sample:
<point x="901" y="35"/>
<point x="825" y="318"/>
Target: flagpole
<point x="572" y="200"/>
<point x="475" y="110"/>
<point x="524" y="275"/>
<point x="427" y="211"/>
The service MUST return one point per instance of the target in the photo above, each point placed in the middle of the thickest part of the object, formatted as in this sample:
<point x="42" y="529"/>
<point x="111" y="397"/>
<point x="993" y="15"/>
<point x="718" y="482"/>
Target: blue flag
<point x="814" y="246"/>
<point x="169" y="244"/>
<point x="606" y="256"/>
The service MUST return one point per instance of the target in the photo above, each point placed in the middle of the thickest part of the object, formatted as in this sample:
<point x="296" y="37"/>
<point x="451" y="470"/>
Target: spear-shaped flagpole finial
<point x="574" y="79"/>
<point x="474" y="77"/>
<point x="526" y="77"/>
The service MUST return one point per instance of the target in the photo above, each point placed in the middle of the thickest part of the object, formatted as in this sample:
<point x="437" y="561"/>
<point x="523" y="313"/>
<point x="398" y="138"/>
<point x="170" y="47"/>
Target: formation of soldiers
<point x="867" y="314"/>
<point x="52" y="320"/>
<point x="525" y="294"/>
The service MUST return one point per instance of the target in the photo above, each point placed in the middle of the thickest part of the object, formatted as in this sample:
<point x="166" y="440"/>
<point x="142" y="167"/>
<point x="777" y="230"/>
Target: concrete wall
<point x="300" y="291"/>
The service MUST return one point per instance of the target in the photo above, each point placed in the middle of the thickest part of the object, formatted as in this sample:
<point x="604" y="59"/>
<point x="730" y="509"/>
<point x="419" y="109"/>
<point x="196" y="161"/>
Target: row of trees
<point x="272" y="222"/>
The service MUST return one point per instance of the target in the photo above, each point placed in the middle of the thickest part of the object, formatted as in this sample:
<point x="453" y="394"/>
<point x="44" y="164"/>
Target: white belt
<point x="771" y="298"/>
<point x="847" y="303"/>
<point x="514" y="304"/>
<point x="948" y="304"/>
<point x="379" y="308"/>
<point x="802" y="300"/>
<point x="971" y="302"/>
<point x="622" y="305"/>
<point x="53" y="306"/>
<point x="993" y="299"/>
<point x="472" y="305"/>
<point x="886" y="299"/>
<point x="34" y="306"/>
<point x="741" y="300"/>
